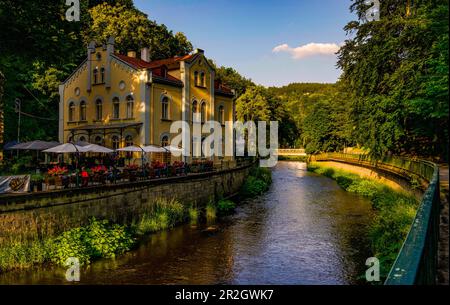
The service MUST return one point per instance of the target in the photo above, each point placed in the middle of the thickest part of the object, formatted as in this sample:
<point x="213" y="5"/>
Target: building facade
<point x="118" y="100"/>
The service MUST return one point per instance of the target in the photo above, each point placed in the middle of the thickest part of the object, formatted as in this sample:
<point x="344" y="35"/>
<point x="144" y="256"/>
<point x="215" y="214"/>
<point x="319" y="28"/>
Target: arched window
<point x="102" y="74"/>
<point x="128" y="140"/>
<point x="165" y="108"/>
<point x="115" y="142"/>
<point x="165" y="141"/>
<point x="194" y="110"/>
<point x="82" y="139"/>
<point x="202" y="79"/>
<point x="130" y="107"/>
<point x="116" y="108"/>
<point x="203" y="113"/>
<point x="71" y="112"/>
<point x="95" y="76"/>
<point x="196" y="78"/>
<point x="98" y="109"/>
<point x="98" y="140"/>
<point x="221" y="115"/>
<point x="83" y="111"/>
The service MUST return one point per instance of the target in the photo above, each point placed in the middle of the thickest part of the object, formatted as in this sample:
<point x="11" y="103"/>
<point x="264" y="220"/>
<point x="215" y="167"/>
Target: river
<point x="304" y="230"/>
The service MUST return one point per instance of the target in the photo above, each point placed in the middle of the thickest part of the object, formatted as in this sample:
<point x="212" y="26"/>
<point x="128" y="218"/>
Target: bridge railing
<point x="416" y="262"/>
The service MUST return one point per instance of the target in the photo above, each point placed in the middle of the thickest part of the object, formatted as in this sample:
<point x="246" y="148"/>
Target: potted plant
<point x="36" y="181"/>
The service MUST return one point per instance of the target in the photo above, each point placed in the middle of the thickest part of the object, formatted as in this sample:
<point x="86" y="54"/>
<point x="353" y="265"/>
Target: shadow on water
<point x="304" y="230"/>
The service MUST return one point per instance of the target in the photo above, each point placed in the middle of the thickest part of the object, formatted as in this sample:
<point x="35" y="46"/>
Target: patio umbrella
<point x="134" y="149"/>
<point x="173" y="149"/>
<point x="96" y="149"/>
<point x="131" y="149"/>
<point x="35" y="145"/>
<point x="154" y="149"/>
<point x="64" y="148"/>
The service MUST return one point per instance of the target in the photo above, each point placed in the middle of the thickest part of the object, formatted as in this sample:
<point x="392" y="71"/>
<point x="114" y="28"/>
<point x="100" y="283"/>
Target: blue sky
<point x="243" y="33"/>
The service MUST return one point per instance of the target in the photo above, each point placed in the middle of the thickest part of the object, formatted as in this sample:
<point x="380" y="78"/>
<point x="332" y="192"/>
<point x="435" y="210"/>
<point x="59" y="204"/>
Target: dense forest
<point x="392" y="96"/>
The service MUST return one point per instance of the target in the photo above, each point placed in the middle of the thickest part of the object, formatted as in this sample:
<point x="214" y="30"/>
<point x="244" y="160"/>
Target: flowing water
<point x="304" y="230"/>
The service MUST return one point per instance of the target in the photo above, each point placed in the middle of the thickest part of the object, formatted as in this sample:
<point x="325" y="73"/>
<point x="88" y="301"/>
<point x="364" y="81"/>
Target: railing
<point x="291" y="152"/>
<point x="416" y="262"/>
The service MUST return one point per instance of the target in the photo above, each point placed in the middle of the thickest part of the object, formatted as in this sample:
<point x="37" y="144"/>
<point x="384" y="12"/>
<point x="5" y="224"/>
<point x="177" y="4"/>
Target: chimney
<point x="131" y="54"/>
<point x="110" y="45"/>
<point x="145" y="54"/>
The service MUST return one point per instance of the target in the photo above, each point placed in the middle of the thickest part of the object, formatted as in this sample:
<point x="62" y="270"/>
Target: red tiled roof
<point x="141" y="64"/>
<point x="158" y="67"/>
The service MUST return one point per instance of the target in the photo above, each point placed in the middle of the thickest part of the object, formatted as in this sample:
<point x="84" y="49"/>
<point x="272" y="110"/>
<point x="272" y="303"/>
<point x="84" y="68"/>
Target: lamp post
<point x="76" y="164"/>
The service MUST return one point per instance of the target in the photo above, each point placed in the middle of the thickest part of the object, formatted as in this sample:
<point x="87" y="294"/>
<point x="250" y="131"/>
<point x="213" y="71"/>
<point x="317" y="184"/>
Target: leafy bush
<point x="98" y="239"/>
<point x="225" y="207"/>
<point x="262" y="173"/>
<point x="253" y="187"/>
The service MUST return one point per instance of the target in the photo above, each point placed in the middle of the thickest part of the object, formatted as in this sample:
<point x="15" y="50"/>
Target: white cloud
<point x="307" y="50"/>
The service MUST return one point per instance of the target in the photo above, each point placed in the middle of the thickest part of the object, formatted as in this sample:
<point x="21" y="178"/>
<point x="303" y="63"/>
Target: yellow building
<point x="118" y="100"/>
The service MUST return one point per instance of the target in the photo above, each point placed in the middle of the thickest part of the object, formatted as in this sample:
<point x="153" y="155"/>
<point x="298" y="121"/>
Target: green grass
<point x="293" y="158"/>
<point x="395" y="212"/>
<point x="166" y="214"/>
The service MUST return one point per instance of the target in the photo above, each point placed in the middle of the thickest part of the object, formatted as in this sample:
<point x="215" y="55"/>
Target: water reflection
<point x="305" y="230"/>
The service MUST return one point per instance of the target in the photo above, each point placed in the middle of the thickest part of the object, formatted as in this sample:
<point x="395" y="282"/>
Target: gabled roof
<point x="141" y="64"/>
<point x="223" y="89"/>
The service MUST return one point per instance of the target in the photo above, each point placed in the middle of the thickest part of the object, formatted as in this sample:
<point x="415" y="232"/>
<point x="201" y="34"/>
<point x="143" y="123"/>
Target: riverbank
<point x="305" y="230"/>
<point x="104" y="239"/>
<point x="394" y="211"/>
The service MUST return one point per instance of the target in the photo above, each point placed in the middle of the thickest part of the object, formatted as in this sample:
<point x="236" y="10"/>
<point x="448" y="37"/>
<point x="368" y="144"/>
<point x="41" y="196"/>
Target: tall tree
<point x="397" y="71"/>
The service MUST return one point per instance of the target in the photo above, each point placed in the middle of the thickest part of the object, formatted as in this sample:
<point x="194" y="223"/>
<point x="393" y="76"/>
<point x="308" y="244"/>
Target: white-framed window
<point x="196" y="78"/>
<point x="130" y="107"/>
<point x="202" y="79"/>
<point x="221" y="114"/>
<point x="165" y="108"/>
<point x="116" y="108"/>
<point x="95" y="76"/>
<point x="128" y="141"/>
<point x="203" y="112"/>
<point x="102" y="75"/>
<point x="71" y="111"/>
<point x="194" y="109"/>
<point x="82" y="111"/>
<point x="164" y="141"/>
<point x="98" y="109"/>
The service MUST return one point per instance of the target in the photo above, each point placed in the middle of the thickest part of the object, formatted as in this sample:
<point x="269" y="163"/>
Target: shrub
<point x="225" y="207"/>
<point x="365" y="188"/>
<point x="98" y="239"/>
<point x="253" y="187"/>
<point x="211" y="211"/>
